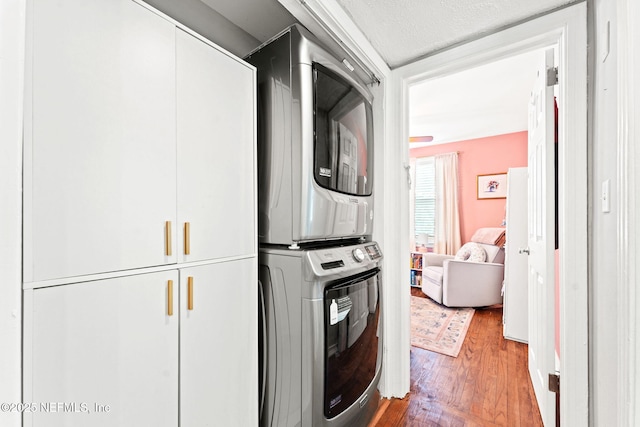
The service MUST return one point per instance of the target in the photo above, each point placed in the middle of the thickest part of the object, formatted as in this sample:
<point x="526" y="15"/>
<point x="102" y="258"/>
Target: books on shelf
<point x="416" y="261"/>
<point x="416" y="278"/>
<point x="416" y="269"/>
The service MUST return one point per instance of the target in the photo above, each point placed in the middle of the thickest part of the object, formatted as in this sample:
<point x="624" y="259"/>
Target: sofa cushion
<point x="433" y="275"/>
<point x="471" y="252"/>
<point x="490" y="236"/>
<point x="432" y="282"/>
<point x="495" y="254"/>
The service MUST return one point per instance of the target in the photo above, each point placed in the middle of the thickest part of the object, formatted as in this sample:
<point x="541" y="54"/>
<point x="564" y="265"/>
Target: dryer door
<point x="343" y="130"/>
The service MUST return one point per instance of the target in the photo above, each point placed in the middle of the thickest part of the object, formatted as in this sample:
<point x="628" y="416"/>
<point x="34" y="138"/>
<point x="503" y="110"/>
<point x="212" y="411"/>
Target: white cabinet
<point x="216" y="114"/>
<point x="99" y="165"/>
<point x="109" y="342"/>
<point x="122" y="350"/>
<point x="515" y="304"/>
<point x="218" y="345"/>
<point x="136" y="124"/>
<point x="133" y="122"/>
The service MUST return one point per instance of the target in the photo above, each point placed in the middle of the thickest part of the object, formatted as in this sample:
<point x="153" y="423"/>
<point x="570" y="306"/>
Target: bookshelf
<point x="416" y="263"/>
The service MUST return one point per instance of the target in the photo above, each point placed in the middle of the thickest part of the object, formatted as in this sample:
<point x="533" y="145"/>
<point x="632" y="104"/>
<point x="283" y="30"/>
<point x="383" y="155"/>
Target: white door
<point x="216" y="144"/>
<point x="219" y="344"/>
<point x="516" y="304"/>
<point x="99" y="140"/>
<point x="541" y="240"/>
<point x="105" y="353"/>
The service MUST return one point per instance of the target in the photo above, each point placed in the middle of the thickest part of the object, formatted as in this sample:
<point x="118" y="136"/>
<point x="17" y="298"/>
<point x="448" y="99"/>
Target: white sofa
<point x="458" y="283"/>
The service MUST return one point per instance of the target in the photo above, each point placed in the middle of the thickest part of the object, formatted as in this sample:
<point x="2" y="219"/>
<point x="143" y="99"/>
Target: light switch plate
<point x="606" y="196"/>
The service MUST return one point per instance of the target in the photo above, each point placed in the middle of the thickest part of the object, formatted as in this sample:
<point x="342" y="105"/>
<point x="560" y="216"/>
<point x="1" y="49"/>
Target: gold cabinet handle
<point x="170" y="298"/>
<point x="190" y="293"/>
<point x="187" y="238"/>
<point x="167" y="238"/>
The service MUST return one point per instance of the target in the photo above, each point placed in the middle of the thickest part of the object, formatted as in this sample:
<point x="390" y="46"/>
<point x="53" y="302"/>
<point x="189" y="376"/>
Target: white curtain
<point x="447" y="233"/>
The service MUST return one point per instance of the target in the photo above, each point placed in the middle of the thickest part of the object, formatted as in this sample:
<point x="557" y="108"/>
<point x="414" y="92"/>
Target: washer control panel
<point x="373" y="250"/>
<point x="358" y="254"/>
<point x="345" y="257"/>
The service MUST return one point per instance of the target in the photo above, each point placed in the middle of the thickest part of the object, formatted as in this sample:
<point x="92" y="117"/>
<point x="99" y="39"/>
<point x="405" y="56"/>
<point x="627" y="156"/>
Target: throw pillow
<point x="471" y="252"/>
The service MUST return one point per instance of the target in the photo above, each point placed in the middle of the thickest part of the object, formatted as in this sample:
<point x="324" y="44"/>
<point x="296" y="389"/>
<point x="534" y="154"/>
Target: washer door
<point x="351" y="312"/>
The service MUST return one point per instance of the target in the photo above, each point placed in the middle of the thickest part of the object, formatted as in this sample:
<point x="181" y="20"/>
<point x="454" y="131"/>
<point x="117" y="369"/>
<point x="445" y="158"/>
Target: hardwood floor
<point x="486" y="385"/>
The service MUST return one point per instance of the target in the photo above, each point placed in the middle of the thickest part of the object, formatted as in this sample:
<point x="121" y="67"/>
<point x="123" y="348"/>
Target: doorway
<point x="481" y="114"/>
<point x="566" y="29"/>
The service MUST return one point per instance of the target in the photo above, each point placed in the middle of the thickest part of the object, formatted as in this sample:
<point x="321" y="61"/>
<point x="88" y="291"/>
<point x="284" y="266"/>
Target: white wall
<point x="614" y="238"/>
<point x="12" y="18"/>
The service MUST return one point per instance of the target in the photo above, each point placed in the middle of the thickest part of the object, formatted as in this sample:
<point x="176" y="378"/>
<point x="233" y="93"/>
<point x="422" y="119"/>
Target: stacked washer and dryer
<point x="320" y="272"/>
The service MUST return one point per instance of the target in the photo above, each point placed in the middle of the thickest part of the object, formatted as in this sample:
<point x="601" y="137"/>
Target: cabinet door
<point x="219" y="345"/>
<point x="108" y="342"/>
<point x="100" y="147"/>
<point x="216" y="145"/>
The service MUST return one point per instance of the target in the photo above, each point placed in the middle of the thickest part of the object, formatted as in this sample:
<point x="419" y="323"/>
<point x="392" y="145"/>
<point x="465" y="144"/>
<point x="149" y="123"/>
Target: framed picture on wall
<point x="492" y="186"/>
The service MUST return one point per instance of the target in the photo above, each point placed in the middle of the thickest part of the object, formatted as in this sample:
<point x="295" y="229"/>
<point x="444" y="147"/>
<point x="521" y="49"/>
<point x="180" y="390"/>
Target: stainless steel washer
<point x="321" y="340"/>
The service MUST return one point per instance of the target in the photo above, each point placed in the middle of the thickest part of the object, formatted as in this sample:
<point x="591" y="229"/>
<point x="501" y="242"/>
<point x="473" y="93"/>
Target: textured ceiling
<point x="405" y="30"/>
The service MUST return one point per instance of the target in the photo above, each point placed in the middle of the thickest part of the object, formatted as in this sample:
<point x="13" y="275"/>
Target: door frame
<point x="627" y="208"/>
<point x="565" y="29"/>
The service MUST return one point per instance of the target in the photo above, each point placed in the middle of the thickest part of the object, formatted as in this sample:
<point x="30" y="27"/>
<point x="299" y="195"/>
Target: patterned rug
<point x="438" y="328"/>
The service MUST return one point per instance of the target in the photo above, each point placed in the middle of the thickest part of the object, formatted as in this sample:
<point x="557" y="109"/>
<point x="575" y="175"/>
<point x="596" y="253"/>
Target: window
<point x="425" y="200"/>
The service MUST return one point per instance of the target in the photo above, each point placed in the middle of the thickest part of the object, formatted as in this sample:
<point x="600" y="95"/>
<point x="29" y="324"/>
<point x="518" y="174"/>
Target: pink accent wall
<point x="557" y="310"/>
<point x="482" y="156"/>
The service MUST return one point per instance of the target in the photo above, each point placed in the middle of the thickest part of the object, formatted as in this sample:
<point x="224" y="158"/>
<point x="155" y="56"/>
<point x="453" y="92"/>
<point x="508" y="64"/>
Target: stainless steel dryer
<point x="322" y="340"/>
<point x="315" y="143"/>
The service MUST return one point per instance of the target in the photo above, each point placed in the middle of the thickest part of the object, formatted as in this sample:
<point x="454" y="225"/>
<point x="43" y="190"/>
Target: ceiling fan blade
<point x="421" y="138"/>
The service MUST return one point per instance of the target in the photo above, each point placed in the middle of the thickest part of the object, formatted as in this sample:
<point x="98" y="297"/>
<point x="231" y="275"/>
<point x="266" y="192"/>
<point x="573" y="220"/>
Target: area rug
<point x="438" y="328"/>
